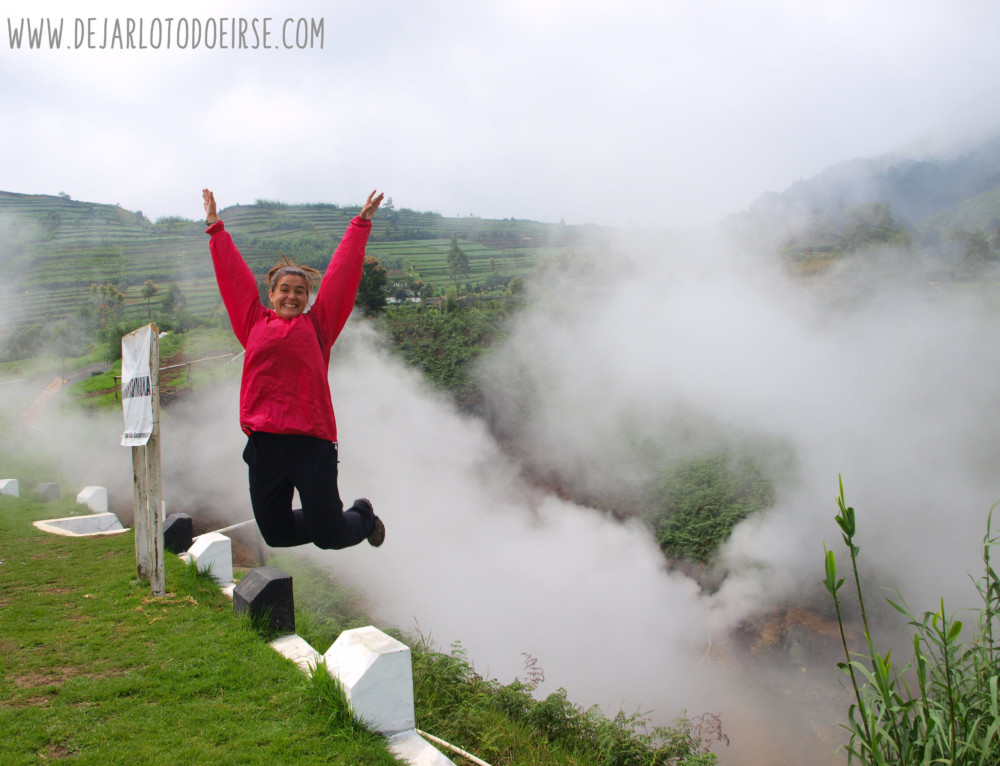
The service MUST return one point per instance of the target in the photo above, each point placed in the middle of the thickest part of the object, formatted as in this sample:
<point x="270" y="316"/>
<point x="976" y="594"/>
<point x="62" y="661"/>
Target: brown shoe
<point x="377" y="537"/>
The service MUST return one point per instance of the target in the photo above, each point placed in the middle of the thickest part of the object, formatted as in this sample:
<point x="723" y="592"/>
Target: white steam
<point x="895" y="390"/>
<point x="474" y="554"/>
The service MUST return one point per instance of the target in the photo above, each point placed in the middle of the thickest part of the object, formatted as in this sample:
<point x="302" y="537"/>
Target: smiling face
<point x="290" y="296"/>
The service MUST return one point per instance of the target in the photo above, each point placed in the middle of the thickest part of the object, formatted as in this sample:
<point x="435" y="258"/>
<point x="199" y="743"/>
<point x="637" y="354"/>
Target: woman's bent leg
<point x="328" y="524"/>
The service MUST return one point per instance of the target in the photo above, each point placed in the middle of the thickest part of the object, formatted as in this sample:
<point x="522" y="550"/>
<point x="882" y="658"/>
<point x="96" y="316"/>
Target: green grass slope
<point x="94" y="669"/>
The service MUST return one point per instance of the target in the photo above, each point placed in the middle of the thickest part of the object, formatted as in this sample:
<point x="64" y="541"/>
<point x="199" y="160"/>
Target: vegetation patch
<point x="694" y="505"/>
<point x="445" y="346"/>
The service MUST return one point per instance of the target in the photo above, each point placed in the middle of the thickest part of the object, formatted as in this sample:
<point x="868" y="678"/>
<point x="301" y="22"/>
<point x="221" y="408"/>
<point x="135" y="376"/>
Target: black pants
<point x="282" y="463"/>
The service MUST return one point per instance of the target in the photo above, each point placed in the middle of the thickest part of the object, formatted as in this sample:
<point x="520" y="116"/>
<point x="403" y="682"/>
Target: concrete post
<point x="95" y="498"/>
<point x="214" y="552"/>
<point x="47" y="490"/>
<point x="377" y="675"/>
<point x="178" y="532"/>
<point x="267" y="592"/>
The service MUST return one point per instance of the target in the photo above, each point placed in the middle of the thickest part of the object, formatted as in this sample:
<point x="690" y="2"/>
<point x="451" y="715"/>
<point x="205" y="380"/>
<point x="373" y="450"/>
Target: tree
<point x="108" y="300"/>
<point x="174" y="300"/>
<point x="458" y="261"/>
<point x="372" y="290"/>
<point x="24" y="342"/>
<point x="450" y="299"/>
<point x="148" y="291"/>
<point x="977" y="254"/>
<point x="994" y="234"/>
<point x="174" y="314"/>
<point x="68" y="339"/>
<point x="871" y="224"/>
<point x="109" y="318"/>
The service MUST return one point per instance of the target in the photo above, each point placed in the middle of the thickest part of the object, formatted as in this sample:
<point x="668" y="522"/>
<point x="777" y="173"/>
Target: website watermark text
<point x="168" y="33"/>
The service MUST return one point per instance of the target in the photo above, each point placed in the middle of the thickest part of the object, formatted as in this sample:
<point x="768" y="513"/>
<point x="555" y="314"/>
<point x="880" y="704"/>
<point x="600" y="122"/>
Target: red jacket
<point x="285" y="389"/>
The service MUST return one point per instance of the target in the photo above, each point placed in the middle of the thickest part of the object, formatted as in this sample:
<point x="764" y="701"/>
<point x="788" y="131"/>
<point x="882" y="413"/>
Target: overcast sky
<point x="666" y="112"/>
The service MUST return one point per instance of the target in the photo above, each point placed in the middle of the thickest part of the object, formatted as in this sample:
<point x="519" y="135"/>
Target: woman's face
<point x="290" y="296"/>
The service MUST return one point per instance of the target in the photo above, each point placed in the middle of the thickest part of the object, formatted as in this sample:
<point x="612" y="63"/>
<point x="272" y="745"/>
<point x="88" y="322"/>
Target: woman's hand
<point x="371" y="205"/>
<point x="211" y="214"/>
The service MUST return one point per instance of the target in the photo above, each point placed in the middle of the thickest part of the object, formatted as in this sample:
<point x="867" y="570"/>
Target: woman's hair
<point x="289" y="266"/>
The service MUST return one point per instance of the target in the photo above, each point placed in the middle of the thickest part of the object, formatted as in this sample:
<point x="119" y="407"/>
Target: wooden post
<point x="139" y="494"/>
<point x="147" y="502"/>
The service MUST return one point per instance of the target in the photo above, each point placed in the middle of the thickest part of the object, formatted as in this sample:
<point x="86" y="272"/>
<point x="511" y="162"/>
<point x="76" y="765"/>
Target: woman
<point x="285" y="405"/>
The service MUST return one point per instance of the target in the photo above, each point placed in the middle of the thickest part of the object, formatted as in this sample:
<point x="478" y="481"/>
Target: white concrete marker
<point x="95" y="498"/>
<point x="377" y="675"/>
<point x="215" y="553"/>
<point x="10" y="487"/>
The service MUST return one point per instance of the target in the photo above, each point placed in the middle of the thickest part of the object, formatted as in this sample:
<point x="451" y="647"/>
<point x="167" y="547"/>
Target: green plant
<point x="694" y="505"/>
<point x="953" y="716"/>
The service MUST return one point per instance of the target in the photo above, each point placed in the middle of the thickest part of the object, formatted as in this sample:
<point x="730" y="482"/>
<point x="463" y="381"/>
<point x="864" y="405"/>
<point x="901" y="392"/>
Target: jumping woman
<point x="285" y="406"/>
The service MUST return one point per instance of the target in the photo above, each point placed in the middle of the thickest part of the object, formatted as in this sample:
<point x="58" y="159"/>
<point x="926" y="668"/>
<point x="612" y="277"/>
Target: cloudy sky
<point x="587" y="111"/>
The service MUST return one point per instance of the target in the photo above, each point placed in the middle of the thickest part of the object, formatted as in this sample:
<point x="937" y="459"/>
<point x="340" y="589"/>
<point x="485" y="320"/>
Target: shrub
<point x="694" y="505"/>
<point x="952" y="715"/>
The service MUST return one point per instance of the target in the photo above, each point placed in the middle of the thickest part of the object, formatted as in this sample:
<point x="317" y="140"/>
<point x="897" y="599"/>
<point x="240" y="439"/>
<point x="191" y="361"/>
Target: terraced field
<point x="53" y="248"/>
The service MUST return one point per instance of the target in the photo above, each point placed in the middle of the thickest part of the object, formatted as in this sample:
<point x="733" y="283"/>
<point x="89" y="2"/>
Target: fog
<point x="676" y="349"/>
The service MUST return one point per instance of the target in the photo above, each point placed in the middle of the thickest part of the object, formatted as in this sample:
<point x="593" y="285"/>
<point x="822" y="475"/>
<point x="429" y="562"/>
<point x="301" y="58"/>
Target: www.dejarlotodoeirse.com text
<point x="171" y="33"/>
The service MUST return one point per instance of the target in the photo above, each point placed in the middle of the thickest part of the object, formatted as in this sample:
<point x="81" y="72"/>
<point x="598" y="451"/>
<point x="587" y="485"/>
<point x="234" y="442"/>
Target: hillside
<point x="915" y="188"/>
<point x="940" y="216"/>
<point x="979" y="213"/>
<point x="62" y="246"/>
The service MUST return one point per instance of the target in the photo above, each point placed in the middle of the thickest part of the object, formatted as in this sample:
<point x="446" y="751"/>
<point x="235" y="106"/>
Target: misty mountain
<point x="916" y="188"/>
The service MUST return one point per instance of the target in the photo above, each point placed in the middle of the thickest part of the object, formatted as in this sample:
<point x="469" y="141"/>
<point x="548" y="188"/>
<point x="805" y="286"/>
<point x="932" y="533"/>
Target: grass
<point x="49" y="364"/>
<point x="92" y="667"/>
<point x="200" y="343"/>
<point x="505" y="724"/>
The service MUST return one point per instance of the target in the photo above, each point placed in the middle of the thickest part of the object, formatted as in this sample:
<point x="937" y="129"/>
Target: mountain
<point x="917" y="189"/>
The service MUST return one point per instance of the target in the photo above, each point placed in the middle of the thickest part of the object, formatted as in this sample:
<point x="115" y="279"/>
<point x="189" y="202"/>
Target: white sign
<point x="137" y="387"/>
